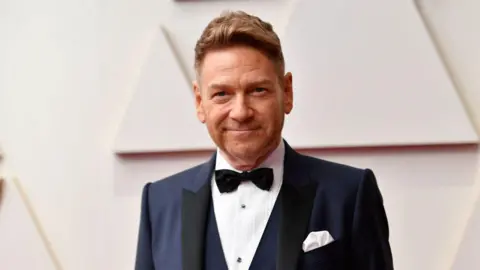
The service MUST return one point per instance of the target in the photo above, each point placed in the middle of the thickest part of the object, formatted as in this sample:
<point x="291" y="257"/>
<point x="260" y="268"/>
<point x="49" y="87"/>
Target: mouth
<point x="241" y="131"/>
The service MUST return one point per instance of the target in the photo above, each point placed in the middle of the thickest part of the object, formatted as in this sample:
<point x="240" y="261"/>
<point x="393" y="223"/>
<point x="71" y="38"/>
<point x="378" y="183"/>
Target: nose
<point x="241" y="111"/>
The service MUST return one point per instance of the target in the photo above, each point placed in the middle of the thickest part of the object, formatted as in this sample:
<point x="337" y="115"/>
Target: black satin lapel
<point x="194" y="216"/>
<point x="296" y="207"/>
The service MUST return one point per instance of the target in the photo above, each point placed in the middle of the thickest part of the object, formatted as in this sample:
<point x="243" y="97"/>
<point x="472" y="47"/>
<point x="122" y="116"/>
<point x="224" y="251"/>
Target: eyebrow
<point x="249" y="85"/>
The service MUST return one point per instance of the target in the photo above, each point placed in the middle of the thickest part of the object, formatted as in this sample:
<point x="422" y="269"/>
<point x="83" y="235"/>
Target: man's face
<point x="242" y="100"/>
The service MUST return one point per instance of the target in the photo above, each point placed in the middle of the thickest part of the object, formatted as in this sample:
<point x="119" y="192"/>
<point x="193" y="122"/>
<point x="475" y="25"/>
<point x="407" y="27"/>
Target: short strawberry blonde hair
<point x="233" y="28"/>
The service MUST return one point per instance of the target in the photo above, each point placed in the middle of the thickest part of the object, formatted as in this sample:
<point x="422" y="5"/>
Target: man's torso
<point x="333" y="188"/>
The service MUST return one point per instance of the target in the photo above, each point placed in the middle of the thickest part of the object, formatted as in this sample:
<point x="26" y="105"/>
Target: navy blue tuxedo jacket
<point x="316" y="195"/>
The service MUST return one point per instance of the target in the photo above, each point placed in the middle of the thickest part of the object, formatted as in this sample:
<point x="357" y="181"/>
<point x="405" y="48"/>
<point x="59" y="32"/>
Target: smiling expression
<point x="243" y="101"/>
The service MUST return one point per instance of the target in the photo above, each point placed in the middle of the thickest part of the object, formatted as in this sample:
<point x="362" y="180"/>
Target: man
<point x="257" y="204"/>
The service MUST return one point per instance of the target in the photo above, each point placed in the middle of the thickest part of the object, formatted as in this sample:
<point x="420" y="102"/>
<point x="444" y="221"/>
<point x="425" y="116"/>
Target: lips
<point x="241" y="132"/>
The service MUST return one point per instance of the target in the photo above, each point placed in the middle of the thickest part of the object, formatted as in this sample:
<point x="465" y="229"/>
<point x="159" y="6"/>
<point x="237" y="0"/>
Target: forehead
<point x="237" y="65"/>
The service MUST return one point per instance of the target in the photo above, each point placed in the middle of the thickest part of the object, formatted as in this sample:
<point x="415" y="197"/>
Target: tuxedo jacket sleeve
<point x="144" y="258"/>
<point x="370" y="232"/>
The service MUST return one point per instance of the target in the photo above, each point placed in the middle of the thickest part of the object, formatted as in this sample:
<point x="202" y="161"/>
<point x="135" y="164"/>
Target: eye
<point x="220" y="94"/>
<point x="260" y="90"/>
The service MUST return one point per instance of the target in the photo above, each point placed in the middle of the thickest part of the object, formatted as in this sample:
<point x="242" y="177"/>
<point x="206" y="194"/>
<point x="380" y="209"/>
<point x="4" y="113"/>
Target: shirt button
<point x="239" y="260"/>
<point x="243" y="206"/>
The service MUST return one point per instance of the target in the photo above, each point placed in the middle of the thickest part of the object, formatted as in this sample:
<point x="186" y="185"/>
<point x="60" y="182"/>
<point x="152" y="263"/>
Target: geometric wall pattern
<point x="158" y="118"/>
<point x="29" y="248"/>
<point x="147" y="127"/>
<point x="369" y="74"/>
<point x="363" y="77"/>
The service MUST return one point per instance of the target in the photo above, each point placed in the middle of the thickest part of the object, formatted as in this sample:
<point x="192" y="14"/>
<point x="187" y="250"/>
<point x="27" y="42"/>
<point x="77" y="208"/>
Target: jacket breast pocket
<point x="330" y="256"/>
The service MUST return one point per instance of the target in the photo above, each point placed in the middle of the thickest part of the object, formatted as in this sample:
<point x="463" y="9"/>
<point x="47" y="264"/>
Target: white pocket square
<point x="316" y="240"/>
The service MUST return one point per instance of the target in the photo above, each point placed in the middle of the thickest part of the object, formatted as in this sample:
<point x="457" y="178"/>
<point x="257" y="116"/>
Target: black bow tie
<point x="228" y="181"/>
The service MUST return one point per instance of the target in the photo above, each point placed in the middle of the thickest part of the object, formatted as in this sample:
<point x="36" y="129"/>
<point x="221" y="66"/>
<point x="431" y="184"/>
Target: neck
<point x="248" y="164"/>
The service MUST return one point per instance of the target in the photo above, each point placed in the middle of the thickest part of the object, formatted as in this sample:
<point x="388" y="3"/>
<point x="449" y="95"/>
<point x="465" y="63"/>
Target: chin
<point x="246" y="150"/>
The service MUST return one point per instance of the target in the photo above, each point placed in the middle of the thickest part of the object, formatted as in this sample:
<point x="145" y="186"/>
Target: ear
<point x="198" y="102"/>
<point x="288" y="92"/>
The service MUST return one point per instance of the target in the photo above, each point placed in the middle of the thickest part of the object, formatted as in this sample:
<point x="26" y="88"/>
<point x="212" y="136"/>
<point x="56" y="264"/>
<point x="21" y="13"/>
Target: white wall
<point x="67" y="70"/>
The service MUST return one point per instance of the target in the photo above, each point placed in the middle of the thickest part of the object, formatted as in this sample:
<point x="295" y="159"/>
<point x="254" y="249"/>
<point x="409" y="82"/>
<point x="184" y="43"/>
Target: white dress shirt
<point x="242" y="215"/>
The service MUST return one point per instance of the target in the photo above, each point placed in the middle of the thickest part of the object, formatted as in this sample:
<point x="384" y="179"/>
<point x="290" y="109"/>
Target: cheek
<point x="272" y="113"/>
<point x="215" y="118"/>
<point x="272" y="124"/>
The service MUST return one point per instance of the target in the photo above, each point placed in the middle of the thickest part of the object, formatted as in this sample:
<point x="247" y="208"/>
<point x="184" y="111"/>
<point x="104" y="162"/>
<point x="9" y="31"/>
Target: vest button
<point x="239" y="260"/>
<point x="243" y="206"/>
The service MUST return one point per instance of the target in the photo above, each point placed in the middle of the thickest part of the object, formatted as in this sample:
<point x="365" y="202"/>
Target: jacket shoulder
<point x="337" y="167"/>
<point x="174" y="182"/>
<point x="167" y="191"/>
<point x="335" y="174"/>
